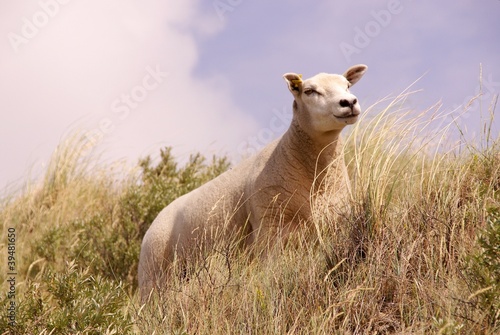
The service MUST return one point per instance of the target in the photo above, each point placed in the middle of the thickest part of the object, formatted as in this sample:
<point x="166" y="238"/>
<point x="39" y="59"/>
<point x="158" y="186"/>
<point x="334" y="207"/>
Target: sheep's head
<point x="323" y="103"/>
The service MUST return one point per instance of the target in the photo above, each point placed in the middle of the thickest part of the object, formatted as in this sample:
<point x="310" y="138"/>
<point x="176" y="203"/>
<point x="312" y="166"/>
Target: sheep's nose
<point x="347" y="103"/>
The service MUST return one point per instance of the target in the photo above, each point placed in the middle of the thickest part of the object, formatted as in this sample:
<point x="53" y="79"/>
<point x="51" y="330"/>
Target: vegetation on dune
<point x="417" y="253"/>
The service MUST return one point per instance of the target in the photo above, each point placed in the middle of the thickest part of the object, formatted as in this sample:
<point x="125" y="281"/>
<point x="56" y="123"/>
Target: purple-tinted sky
<point x="207" y="75"/>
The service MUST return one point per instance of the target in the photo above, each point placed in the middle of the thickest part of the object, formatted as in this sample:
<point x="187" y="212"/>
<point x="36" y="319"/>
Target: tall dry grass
<point x="415" y="254"/>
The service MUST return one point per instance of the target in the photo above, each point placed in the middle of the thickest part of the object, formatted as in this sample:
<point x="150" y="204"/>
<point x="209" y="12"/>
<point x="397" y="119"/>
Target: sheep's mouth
<point x="348" y="116"/>
<point x="348" y="119"/>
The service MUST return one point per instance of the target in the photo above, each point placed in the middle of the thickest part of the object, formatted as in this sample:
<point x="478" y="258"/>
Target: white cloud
<point x="90" y="53"/>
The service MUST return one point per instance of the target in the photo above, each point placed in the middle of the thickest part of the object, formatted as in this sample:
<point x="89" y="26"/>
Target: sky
<point x="206" y="76"/>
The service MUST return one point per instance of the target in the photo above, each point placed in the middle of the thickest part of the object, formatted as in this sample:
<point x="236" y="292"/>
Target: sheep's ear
<point x="354" y="73"/>
<point x="294" y="82"/>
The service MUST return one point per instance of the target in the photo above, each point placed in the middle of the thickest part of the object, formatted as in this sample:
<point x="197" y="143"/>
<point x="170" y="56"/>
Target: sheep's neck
<point x="313" y="156"/>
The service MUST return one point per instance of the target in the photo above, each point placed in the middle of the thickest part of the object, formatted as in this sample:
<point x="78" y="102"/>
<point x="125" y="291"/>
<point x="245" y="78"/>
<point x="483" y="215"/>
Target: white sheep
<point x="267" y="194"/>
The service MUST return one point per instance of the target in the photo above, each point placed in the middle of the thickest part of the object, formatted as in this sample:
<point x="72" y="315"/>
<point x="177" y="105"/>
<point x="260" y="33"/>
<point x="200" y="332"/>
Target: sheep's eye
<point x="309" y="91"/>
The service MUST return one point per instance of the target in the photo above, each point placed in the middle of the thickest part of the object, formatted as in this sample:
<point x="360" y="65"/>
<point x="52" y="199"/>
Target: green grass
<point x="417" y="253"/>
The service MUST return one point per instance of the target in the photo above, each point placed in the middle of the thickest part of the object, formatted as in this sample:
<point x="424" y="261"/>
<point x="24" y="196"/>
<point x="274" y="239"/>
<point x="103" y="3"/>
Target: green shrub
<point x="71" y="302"/>
<point x="485" y="270"/>
<point x="108" y="241"/>
<point x="107" y="247"/>
<point x="80" y="254"/>
<point x="163" y="183"/>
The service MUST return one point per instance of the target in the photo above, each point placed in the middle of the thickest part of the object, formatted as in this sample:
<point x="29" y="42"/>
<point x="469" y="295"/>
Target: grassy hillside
<point x="418" y="253"/>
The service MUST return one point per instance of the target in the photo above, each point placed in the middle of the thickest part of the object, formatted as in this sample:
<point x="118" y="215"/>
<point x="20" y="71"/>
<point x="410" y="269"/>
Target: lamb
<point x="269" y="193"/>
